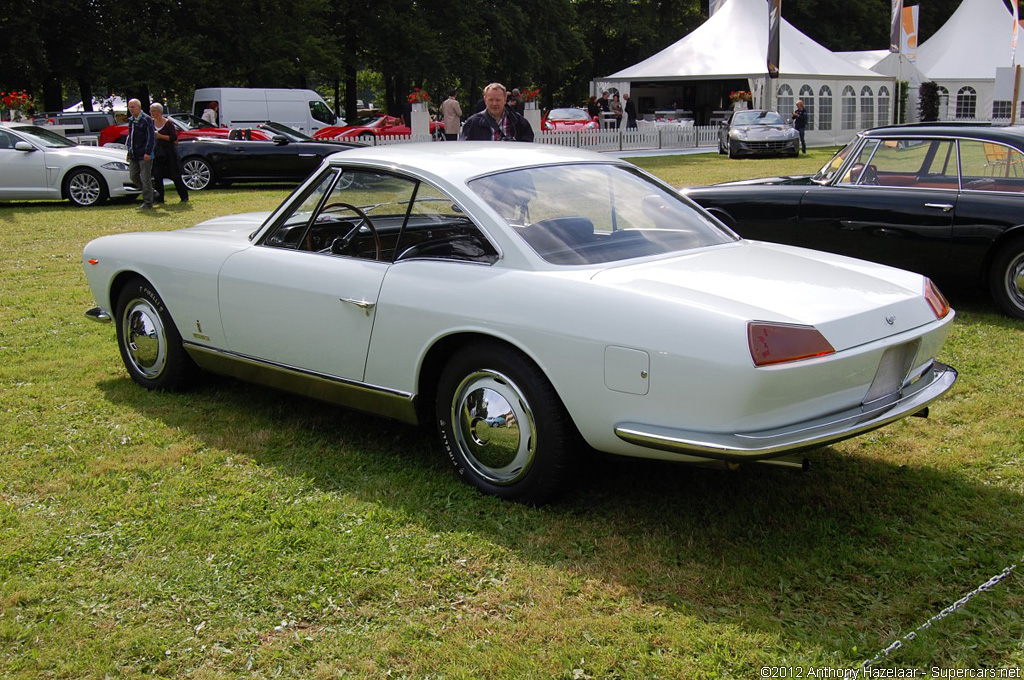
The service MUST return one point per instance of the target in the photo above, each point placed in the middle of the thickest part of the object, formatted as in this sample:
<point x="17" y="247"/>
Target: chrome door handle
<point x="367" y="307"/>
<point x="944" y="207"/>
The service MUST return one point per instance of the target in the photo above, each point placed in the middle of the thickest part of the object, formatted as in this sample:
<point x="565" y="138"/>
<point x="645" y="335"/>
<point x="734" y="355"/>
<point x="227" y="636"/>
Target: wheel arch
<point x="66" y="177"/>
<point x="1011" y="235"/>
<point x="438" y="355"/>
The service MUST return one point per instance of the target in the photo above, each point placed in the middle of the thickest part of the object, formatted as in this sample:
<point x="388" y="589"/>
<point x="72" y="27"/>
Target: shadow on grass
<point x="854" y="552"/>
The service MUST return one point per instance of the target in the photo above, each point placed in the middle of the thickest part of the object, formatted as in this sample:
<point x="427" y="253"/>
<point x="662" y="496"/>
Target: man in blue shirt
<point x="141" y="141"/>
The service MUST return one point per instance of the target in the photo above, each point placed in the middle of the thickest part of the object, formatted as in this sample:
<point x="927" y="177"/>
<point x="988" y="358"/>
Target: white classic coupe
<point x="536" y="303"/>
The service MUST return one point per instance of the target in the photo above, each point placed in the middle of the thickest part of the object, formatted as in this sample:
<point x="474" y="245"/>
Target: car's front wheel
<point x="1006" y="280"/>
<point x="85" y="187"/>
<point x="503" y="426"/>
<point x="150" y="344"/>
<point x="196" y="173"/>
<point x="733" y="153"/>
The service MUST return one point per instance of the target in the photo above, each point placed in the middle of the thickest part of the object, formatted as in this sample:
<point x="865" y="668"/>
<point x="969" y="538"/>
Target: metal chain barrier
<point x="909" y="637"/>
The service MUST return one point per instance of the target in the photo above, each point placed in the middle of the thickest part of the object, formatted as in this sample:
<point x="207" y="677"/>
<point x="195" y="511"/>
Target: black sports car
<point x="290" y="156"/>
<point x="944" y="200"/>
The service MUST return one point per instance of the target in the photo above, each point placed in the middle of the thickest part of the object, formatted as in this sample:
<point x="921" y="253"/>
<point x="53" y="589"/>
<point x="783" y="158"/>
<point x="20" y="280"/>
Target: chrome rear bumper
<point x="933" y="383"/>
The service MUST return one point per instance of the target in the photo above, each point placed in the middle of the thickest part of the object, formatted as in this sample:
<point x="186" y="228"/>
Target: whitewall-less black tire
<point x="1007" y="278"/>
<point x="148" y="340"/>
<point x="85" y="187"/>
<point x="503" y="426"/>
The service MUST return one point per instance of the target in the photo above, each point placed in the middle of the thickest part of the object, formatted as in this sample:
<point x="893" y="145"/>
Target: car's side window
<point x="6" y="141"/>
<point x="990" y="166"/>
<point x="291" y="227"/>
<point x="438" y="229"/>
<point x="917" y="163"/>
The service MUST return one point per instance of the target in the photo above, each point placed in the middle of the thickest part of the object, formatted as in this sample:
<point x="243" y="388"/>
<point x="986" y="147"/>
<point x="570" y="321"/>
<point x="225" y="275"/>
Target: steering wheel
<point x="869" y="175"/>
<point x="364" y="220"/>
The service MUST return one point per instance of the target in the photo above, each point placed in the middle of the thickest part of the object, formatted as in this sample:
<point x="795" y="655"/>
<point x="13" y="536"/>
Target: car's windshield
<point x="367" y="121"/>
<point x="44" y="137"/>
<point x="757" y="118"/>
<point x="191" y="122"/>
<point x="568" y="114"/>
<point x="592" y="213"/>
<point x="829" y="170"/>
<point x="291" y="134"/>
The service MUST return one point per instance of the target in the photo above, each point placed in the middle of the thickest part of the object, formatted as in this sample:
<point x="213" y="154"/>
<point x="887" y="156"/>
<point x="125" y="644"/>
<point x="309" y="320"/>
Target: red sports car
<point x="568" y="119"/>
<point x="189" y="127"/>
<point x="374" y="125"/>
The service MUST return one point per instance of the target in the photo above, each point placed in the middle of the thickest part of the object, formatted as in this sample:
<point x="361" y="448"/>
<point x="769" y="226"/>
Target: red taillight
<point x="935" y="298"/>
<point x="777" y="343"/>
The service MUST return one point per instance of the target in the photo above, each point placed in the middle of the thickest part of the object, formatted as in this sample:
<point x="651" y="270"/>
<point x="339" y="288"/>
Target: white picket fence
<point x="621" y="139"/>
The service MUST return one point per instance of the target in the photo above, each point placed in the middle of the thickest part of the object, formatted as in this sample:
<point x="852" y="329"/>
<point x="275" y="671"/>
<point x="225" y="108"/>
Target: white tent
<point x="963" y="55"/>
<point x="729" y="51"/>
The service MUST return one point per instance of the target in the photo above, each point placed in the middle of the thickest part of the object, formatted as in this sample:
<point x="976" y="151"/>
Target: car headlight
<point x="738" y="134"/>
<point x="115" y="165"/>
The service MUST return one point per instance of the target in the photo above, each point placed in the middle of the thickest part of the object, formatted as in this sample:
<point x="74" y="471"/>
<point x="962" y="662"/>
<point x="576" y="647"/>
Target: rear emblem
<point x="890" y="319"/>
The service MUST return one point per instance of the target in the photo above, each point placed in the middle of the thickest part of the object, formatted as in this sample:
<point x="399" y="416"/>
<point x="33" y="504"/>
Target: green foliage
<point x="928" y="101"/>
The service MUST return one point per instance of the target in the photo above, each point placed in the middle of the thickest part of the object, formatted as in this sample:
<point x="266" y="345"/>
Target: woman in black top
<point x="165" y="156"/>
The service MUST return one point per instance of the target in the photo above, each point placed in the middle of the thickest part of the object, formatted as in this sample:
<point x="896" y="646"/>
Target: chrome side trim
<point x="933" y="383"/>
<point x="98" y="314"/>
<point x="347" y="393"/>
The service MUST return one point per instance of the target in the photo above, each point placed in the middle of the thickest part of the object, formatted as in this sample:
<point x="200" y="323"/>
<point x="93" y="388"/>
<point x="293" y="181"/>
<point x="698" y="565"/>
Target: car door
<point x="23" y="174"/>
<point x="895" y="204"/>
<point x="293" y="300"/>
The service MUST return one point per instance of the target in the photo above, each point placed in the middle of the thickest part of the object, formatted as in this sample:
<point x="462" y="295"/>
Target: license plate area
<point x="893" y="369"/>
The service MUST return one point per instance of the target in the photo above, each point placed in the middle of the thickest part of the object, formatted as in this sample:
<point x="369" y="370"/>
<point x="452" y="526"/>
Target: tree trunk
<point x="351" y="93"/>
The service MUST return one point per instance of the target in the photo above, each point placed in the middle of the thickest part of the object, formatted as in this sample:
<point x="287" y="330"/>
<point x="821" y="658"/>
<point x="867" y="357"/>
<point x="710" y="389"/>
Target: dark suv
<point x="83" y="127"/>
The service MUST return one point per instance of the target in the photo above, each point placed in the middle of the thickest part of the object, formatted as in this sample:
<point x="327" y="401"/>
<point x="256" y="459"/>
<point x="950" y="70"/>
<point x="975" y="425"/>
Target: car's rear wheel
<point x="721" y="147"/>
<point x="150" y="344"/>
<point x="196" y="173"/>
<point x="85" y="187"/>
<point x="503" y="426"/>
<point x="1006" y="280"/>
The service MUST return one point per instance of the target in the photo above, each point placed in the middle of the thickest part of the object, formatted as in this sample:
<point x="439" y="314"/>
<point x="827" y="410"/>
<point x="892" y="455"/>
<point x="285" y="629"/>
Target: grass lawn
<point x="236" y="531"/>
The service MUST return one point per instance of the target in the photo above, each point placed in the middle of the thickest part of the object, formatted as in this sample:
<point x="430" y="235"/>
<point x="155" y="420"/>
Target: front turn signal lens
<point x="935" y="298"/>
<point x="778" y="343"/>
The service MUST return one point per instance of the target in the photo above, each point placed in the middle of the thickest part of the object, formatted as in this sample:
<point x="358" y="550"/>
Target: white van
<point x="303" y="110"/>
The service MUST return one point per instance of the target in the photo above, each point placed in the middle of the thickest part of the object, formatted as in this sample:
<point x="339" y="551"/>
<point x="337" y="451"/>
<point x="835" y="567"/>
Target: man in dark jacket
<point x="497" y="122"/>
<point x="141" y="141"/>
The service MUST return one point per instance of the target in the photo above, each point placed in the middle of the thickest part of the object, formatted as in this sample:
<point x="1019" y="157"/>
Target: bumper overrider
<point x="751" y="446"/>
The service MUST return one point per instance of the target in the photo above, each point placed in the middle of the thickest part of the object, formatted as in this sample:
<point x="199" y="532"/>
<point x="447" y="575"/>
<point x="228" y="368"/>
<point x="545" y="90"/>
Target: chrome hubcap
<point x="144" y="338"/>
<point x="494" y="427"/>
<point x="1015" y="280"/>
<point x="84" y="189"/>
<point x="196" y="175"/>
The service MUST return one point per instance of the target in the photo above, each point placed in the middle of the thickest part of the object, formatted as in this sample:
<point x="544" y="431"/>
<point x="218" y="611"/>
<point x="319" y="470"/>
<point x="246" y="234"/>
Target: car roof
<point x="986" y="132"/>
<point x="462" y="161"/>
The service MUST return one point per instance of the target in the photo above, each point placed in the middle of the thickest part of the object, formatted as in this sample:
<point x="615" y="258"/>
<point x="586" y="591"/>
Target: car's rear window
<point x="594" y="213"/>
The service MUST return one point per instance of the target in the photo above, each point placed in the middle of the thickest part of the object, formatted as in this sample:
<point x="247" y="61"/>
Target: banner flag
<point x="1016" y="29"/>
<point x="894" y="32"/>
<point x="714" y="6"/>
<point x="908" y="41"/>
<point x="774" y="47"/>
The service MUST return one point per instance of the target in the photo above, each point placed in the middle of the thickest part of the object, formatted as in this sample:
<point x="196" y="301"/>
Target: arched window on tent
<point x="943" y="103"/>
<point x="867" y="107"/>
<point x="848" y="104"/>
<point x="786" y="101"/>
<point x="884" y="112"/>
<point x="825" y="108"/>
<point x="807" y="95"/>
<point x="967" y="103"/>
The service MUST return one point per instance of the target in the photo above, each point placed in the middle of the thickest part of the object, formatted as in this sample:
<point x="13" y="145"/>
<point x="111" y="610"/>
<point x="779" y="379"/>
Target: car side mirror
<point x="279" y="139"/>
<point x="23" y="146"/>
